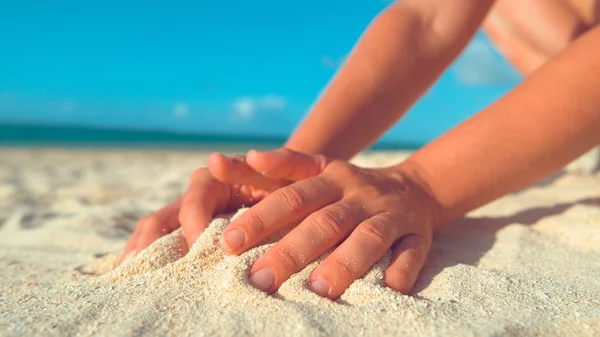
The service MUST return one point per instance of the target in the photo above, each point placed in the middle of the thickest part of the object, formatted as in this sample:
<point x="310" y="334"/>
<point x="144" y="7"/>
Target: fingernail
<point x="263" y="279"/>
<point x="320" y="287"/>
<point x="250" y="154"/>
<point x="234" y="239"/>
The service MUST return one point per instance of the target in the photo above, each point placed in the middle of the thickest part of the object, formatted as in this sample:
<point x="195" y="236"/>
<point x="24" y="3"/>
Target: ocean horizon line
<point x="20" y="134"/>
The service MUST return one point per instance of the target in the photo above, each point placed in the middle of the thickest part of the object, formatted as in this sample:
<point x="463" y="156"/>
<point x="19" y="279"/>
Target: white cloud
<point x="180" y="109"/>
<point x="247" y="106"/>
<point x="479" y="66"/>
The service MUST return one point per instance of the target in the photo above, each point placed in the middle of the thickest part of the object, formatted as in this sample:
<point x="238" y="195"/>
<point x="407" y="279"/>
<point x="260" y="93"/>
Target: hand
<point x="226" y="185"/>
<point x="365" y="211"/>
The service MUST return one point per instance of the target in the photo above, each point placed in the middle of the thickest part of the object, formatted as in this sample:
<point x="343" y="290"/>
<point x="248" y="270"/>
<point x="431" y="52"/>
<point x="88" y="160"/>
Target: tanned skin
<point x="549" y="119"/>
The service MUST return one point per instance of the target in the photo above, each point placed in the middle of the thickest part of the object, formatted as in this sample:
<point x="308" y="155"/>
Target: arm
<point x="401" y="54"/>
<point x="547" y="121"/>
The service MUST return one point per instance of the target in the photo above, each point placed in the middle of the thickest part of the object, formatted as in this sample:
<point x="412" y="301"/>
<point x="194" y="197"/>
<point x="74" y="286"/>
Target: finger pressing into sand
<point x="364" y="247"/>
<point x="157" y="225"/>
<point x="204" y="197"/>
<point x="130" y="246"/>
<point x="279" y="210"/>
<point x="286" y="164"/>
<point x="408" y="259"/>
<point x="235" y="170"/>
<point x="318" y="233"/>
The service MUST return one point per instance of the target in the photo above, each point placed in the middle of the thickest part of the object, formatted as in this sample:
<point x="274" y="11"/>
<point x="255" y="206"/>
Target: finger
<point x="408" y="259"/>
<point x="235" y="171"/>
<point x="149" y="229"/>
<point x="364" y="247"/>
<point x="129" y="249"/>
<point x="204" y="197"/>
<point x="277" y="211"/>
<point x="286" y="164"/>
<point x="318" y="233"/>
<point x="157" y="225"/>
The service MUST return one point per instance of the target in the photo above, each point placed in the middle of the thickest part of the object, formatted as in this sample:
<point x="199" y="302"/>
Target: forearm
<point x="396" y="60"/>
<point x="547" y="121"/>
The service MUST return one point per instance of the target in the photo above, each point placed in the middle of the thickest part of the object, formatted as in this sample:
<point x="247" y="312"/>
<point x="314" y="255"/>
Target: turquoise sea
<point x="195" y="74"/>
<point x="39" y="135"/>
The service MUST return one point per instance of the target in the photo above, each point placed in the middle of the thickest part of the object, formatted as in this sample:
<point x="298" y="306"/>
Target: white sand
<point x="528" y="264"/>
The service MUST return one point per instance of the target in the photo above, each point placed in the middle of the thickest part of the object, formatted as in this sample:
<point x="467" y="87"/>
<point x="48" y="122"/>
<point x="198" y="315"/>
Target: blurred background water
<point x="197" y="72"/>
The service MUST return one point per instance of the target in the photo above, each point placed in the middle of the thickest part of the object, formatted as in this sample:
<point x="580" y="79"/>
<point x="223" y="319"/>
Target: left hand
<point x="365" y="211"/>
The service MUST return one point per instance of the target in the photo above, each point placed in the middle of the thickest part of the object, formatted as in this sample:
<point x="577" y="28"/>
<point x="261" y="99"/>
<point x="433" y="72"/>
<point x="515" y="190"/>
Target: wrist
<point x="416" y="175"/>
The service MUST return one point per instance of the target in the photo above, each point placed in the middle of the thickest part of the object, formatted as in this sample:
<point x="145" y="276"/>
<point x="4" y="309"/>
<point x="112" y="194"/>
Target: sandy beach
<point x="525" y="265"/>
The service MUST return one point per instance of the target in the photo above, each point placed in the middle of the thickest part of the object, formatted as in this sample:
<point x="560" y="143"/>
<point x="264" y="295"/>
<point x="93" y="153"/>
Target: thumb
<point x="286" y="164"/>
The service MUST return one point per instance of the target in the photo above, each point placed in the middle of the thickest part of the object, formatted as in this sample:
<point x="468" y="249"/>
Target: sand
<point x="527" y="264"/>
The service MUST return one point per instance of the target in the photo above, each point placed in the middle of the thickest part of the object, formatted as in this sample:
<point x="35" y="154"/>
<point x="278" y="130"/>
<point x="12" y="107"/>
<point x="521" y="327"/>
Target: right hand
<point x="227" y="184"/>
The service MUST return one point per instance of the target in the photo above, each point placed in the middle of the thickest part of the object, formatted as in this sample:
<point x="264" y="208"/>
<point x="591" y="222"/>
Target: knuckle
<point x="413" y="257"/>
<point x="376" y="233"/>
<point x="287" y="255"/>
<point x="341" y="169"/>
<point x="345" y="207"/>
<point x="342" y="268"/>
<point x="328" y="223"/>
<point x="291" y="199"/>
<point x="255" y="222"/>
<point x="373" y="192"/>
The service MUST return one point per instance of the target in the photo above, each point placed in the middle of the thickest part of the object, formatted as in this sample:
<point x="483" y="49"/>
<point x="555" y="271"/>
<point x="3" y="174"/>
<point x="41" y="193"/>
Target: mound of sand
<point x="527" y="264"/>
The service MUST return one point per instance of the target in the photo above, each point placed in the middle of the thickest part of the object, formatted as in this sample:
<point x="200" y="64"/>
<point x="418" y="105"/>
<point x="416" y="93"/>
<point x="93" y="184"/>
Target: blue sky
<point x="207" y="66"/>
